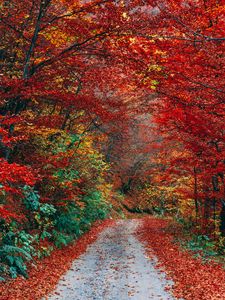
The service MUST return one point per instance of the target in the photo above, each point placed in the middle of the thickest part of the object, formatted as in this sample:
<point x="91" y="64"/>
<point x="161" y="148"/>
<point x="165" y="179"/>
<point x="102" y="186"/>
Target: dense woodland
<point x="108" y="106"/>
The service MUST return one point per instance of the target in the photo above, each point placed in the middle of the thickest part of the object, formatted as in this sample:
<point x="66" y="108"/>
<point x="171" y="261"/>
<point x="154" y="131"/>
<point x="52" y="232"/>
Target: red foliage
<point x="192" y="279"/>
<point x="44" y="277"/>
<point x="190" y="112"/>
<point x="7" y="215"/>
<point x="15" y="173"/>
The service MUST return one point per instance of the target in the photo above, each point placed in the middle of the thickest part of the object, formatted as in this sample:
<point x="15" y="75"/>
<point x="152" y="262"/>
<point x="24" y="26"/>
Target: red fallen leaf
<point x="56" y="293"/>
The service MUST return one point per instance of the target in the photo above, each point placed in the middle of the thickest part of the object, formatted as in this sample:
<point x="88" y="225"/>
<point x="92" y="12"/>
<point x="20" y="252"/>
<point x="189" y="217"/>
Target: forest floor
<point x="119" y="260"/>
<point x="194" y="277"/>
<point x="45" y="273"/>
<point x="114" y="267"/>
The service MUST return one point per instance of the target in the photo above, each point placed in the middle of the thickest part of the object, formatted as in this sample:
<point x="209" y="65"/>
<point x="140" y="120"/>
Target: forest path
<point x="114" y="267"/>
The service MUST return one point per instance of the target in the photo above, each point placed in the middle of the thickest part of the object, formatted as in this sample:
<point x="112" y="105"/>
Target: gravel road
<point x="115" y="267"/>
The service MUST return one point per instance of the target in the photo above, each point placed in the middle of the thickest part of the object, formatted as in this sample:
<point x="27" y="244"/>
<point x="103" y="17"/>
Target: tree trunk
<point x="222" y="219"/>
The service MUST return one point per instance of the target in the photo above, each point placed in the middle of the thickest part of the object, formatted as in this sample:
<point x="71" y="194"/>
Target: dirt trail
<point x="115" y="267"/>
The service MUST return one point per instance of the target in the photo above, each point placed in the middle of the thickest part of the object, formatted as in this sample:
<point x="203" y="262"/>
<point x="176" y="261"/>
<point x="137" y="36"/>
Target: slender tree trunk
<point x="42" y="9"/>
<point x="196" y="195"/>
<point x="222" y="219"/>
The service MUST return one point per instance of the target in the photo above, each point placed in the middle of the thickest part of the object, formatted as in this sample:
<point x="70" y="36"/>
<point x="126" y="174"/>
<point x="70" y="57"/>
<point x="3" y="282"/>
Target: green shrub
<point x="31" y="198"/>
<point x="15" y="251"/>
<point x="96" y="208"/>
